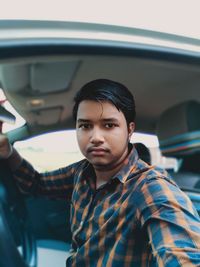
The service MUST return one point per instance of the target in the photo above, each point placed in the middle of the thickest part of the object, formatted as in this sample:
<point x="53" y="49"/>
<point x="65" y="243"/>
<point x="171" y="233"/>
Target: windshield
<point x="176" y="17"/>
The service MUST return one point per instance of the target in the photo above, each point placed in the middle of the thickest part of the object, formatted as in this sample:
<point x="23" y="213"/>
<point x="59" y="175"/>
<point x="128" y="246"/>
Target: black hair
<point x="107" y="90"/>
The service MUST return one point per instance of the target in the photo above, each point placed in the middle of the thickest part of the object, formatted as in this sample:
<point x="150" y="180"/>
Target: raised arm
<point x="55" y="184"/>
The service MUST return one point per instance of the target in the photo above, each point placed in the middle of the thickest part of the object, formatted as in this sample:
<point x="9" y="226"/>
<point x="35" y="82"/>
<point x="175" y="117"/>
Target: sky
<point x="172" y="16"/>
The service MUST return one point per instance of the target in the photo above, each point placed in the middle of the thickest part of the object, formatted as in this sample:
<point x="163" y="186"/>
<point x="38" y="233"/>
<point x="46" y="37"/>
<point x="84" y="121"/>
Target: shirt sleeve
<point x="56" y="184"/>
<point x="172" y="223"/>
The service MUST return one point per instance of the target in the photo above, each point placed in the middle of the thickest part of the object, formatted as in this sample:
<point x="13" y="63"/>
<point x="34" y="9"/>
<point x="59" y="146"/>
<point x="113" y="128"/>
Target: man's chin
<point x="100" y="164"/>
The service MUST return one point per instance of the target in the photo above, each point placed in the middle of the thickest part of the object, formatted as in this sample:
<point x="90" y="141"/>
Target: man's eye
<point x="110" y="125"/>
<point x="84" y="126"/>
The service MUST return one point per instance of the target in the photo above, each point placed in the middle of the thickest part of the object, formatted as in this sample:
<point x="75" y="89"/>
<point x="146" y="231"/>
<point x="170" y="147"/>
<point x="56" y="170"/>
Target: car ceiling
<point x="41" y="84"/>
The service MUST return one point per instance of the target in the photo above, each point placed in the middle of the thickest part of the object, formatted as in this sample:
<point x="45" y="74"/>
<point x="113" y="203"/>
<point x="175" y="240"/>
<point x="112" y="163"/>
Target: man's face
<point x="102" y="134"/>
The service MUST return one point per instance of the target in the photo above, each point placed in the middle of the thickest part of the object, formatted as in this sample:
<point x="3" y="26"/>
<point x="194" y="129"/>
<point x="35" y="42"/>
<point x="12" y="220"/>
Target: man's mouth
<point x="97" y="151"/>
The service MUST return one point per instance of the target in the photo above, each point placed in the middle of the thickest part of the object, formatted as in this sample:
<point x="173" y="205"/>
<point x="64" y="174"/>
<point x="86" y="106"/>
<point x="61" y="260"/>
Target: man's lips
<point x="97" y="150"/>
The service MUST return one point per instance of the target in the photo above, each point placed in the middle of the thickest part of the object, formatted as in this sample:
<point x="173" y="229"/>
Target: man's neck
<point x="104" y="174"/>
<point x="103" y="177"/>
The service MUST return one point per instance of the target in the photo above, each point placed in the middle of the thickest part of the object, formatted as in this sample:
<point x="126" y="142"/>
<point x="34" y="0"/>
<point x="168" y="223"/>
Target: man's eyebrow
<point x="83" y="120"/>
<point x="110" y="119"/>
<point x="103" y="119"/>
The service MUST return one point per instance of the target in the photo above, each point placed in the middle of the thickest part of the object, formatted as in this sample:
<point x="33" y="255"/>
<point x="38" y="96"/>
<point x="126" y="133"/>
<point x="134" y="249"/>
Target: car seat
<point x="178" y="132"/>
<point x="143" y="152"/>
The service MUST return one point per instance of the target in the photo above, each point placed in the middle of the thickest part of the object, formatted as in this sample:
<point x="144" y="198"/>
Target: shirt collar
<point x="129" y="165"/>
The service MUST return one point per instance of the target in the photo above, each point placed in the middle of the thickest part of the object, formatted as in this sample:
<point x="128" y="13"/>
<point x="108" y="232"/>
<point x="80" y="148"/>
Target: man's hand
<point x="6" y="148"/>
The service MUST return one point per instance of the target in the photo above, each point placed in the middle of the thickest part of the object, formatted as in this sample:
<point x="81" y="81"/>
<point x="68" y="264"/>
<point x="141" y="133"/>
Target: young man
<point x="124" y="212"/>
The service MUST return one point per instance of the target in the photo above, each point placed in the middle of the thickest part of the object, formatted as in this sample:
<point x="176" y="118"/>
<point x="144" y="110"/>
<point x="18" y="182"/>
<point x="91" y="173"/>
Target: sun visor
<point x="51" y="77"/>
<point x="40" y="78"/>
<point x="14" y="77"/>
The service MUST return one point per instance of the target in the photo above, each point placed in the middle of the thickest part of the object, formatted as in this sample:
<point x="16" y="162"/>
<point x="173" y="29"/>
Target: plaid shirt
<point x="139" y="218"/>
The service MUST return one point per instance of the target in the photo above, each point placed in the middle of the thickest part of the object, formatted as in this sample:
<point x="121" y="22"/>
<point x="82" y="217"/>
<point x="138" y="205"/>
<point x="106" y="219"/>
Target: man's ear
<point x="131" y="129"/>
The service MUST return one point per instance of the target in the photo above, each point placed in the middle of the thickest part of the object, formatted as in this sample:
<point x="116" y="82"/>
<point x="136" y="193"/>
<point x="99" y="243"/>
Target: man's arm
<point x="55" y="184"/>
<point x="172" y="224"/>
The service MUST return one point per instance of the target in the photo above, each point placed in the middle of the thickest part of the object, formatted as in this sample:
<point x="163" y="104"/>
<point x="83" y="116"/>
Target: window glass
<point x="50" y="151"/>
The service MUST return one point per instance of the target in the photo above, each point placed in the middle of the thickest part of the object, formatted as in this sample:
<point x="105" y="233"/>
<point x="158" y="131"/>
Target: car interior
<point x="178" y="135"/>
<point x="40" y="77"/>
<point x="143" y="152"/>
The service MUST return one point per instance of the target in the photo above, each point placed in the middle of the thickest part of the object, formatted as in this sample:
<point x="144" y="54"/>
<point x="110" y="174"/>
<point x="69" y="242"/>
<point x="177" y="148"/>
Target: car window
<point x="58" y="149"/>
<point x="50" y="151"/>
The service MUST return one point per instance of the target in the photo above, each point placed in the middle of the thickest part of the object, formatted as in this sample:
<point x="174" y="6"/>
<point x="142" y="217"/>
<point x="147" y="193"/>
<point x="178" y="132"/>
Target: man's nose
<point x="96" y="136"/>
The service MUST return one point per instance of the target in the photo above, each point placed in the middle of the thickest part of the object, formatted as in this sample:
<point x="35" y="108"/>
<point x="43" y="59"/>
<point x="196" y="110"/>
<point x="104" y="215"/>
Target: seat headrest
<point x="143" y="152"/>
<point x="178" y="129"/>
